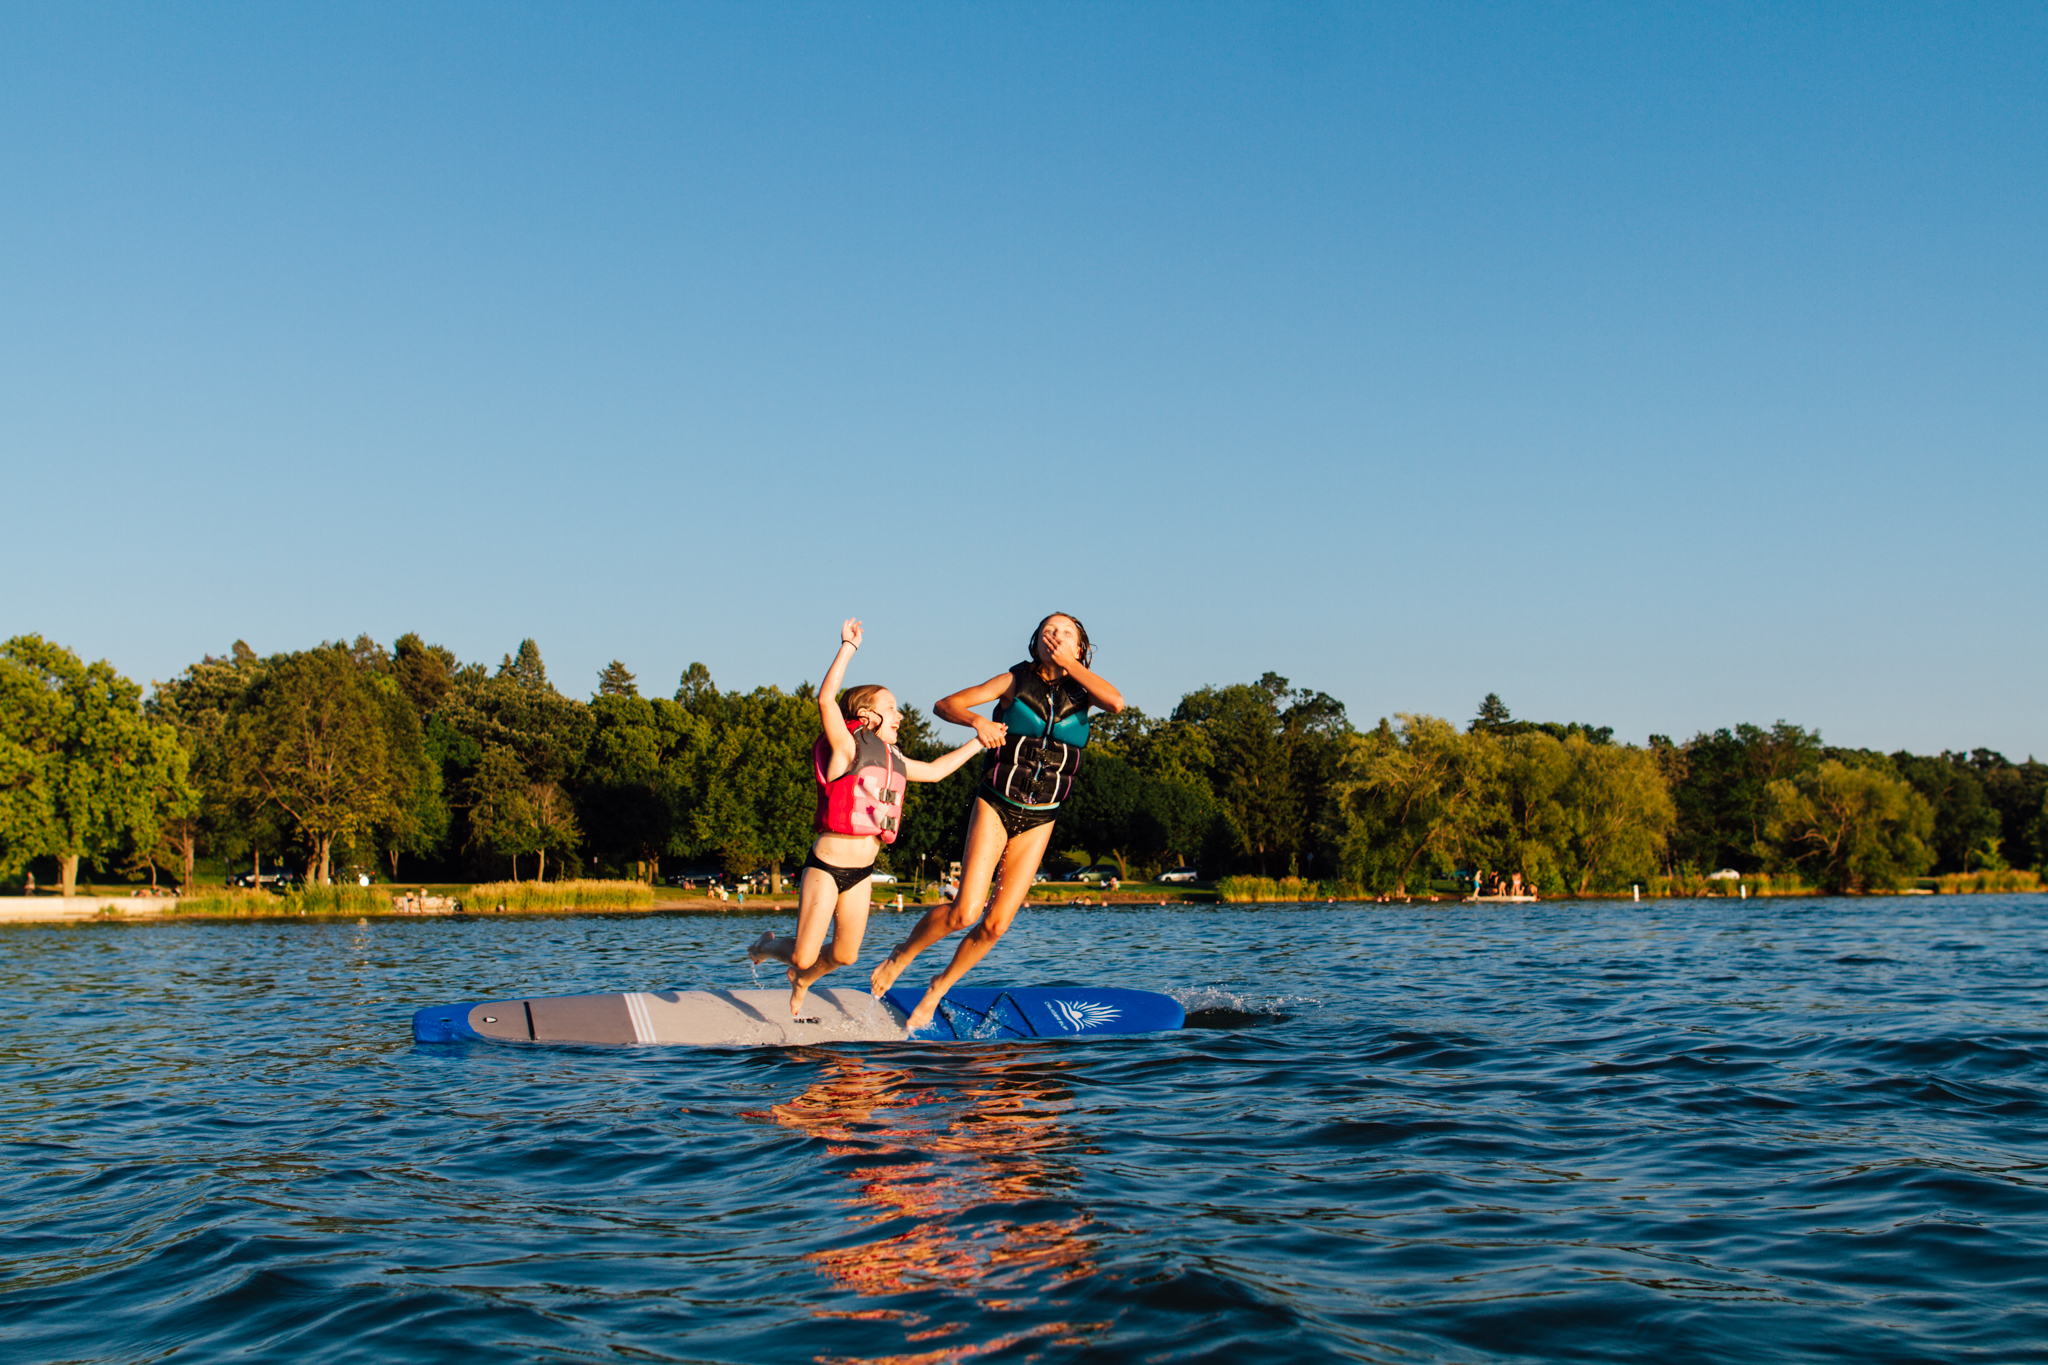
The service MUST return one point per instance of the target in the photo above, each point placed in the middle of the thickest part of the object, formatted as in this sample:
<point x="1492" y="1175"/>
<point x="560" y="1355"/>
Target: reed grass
<point x="1263" y="890"/>
<point x="228" y="901"/>
<point x="313" y="900"/>
<point x="1975" y="883"/>
<point x="1758" y="883"/>
<point x="567" y="895"/>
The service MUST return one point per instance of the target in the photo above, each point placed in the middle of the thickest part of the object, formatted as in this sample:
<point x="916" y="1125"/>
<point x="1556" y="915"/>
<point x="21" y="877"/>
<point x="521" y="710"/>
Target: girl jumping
<point x="1039" y="730"/>
<point x="860" y="775"/>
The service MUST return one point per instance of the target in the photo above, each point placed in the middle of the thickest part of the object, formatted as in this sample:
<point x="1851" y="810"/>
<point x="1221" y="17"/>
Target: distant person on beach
<point x="860" y="775"/>
<point x="1039" y="728"/>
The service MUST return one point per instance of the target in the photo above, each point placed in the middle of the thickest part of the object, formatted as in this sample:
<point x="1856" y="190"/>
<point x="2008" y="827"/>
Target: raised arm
<point x="1100" y="688"/>
<point x="837" y="737"/>
<point x="957" y="709"/>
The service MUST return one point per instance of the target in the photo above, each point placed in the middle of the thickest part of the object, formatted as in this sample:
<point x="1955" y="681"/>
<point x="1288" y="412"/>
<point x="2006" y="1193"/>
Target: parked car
<point x="885" y="879"/>
<point x="268" y="875"/>
<point x="1180" y="874"/>
<point x="1101" y="872"/>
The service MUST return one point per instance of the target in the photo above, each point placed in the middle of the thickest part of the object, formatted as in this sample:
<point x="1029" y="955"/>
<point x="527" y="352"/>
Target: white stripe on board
<point x="643" y="1023"/>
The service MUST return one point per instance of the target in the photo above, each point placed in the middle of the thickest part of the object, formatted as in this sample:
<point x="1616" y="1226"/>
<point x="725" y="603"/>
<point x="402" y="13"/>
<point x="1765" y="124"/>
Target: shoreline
<point x="136" y="909"/>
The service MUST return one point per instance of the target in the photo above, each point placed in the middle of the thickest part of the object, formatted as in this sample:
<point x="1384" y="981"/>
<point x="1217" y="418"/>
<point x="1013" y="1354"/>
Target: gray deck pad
<point x="699" y="1018"/>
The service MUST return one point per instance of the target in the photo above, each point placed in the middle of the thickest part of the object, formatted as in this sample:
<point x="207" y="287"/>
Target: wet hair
<point x="1087" y="651"/>
<point x="855" y="700"/>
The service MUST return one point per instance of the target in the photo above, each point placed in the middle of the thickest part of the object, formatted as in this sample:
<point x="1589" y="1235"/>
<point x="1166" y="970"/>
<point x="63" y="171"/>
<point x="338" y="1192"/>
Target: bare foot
<point x="886" y="971"/>
<point x="797" y="990"/>
<point x="921" y="1017"/>
<point x="757" y="952"/>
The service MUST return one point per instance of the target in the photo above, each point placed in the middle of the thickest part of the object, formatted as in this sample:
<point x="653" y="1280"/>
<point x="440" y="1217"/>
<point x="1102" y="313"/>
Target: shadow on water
<point x="1226" y="1017"/>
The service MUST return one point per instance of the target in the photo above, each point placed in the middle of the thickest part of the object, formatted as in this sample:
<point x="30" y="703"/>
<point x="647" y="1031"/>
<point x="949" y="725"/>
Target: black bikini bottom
<point x="845" y="878"/>
<point x="1016" y="819"/>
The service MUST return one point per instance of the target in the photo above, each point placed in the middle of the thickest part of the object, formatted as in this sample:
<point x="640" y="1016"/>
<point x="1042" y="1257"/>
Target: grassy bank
<point x="1792" y="884"/>
<point x="1972" y="883"/>
<point x="1253" y="890"/>
<point x="577" y="895"/>
<point x="1757" y="883"/>
<point x="314" y="900"/>
<point x="378" y="900"/>
<point x="544" y="897"/>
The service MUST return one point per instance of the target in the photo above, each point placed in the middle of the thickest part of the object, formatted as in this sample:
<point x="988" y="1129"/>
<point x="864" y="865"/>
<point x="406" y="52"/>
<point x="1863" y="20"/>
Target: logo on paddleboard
<point x="1081" y="1015"/>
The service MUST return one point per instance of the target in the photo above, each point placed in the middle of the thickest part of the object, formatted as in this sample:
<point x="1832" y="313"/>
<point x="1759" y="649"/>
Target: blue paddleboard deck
<point x="831" y="1015"/>
<point x="978" y="1013"/>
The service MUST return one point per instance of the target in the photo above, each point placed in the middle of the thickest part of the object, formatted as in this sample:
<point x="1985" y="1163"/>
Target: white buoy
<point x="1638" y="891"/>
<point x="1745" y="891"/>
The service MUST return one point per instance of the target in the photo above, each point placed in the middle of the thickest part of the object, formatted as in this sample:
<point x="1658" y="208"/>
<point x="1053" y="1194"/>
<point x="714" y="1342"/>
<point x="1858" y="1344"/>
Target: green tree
<point x="1270" y="755"/>
<point x="502" y="818"/>
<point x="1405" y="802"/>
<point x="84" y="774"/>
<point x="2019" y="793"/>
<point x="696" y="690"/>
<point x="518" y="710"/>
<point x="1618" y="813"/>
<point x="1494" y="719"/>
<point x="1850" y="828"/>
<point x="1525" y="825"/>
<point x="417" y="820"/>
<point x="1124" y="734"/>
<point x="425" y="672"/>
<point x="640" y="753"/>
<point x="750" y="798"/>
<point x="1967" y="830"/>
<point x="200" y="705"/>
<point x="616" y="681"/>
<point x="1176" y="817"/>
<point x="1720" y="790"/>
<point x="1100" y="816"/>
<point x="313" y="743"/>
<point x="1493" y="715"/>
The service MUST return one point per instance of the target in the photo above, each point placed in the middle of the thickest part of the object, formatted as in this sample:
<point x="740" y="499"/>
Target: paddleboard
<point x="983" y="1012"/>
<point x="831" y="1015"/>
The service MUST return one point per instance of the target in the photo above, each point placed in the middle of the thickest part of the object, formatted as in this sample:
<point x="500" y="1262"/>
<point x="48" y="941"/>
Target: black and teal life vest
<point x="1047" y="729"/>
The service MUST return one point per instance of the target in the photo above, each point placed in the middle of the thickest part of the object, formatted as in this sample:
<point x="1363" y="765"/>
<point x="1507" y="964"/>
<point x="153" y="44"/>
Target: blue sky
<point x="1655" y="366"/>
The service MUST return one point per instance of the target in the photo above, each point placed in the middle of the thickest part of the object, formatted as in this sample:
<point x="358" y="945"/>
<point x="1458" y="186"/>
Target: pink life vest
<point x="869" y="798"/>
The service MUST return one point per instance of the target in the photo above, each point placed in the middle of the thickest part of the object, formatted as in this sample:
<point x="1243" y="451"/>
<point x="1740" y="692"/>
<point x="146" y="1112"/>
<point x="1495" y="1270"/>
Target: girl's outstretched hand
<point x="849" y="634"/>
<point x="990" y="733"/>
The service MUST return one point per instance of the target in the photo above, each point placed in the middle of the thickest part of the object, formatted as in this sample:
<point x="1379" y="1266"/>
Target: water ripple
<point x="1699" y="1132"/>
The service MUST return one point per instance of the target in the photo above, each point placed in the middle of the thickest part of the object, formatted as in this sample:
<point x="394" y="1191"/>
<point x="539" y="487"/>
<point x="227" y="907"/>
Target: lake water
<point x="1690" y="1131"/>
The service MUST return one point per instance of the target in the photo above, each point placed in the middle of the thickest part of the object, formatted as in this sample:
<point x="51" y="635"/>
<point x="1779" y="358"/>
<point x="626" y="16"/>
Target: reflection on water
<point x="941" y="1156"/>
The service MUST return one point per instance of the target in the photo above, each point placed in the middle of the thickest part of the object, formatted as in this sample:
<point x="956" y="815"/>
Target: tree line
<point x="352" y="756"/>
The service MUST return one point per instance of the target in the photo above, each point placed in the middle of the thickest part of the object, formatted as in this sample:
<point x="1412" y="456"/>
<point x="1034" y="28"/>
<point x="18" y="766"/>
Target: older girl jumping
<point x="1039" y="728"/>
